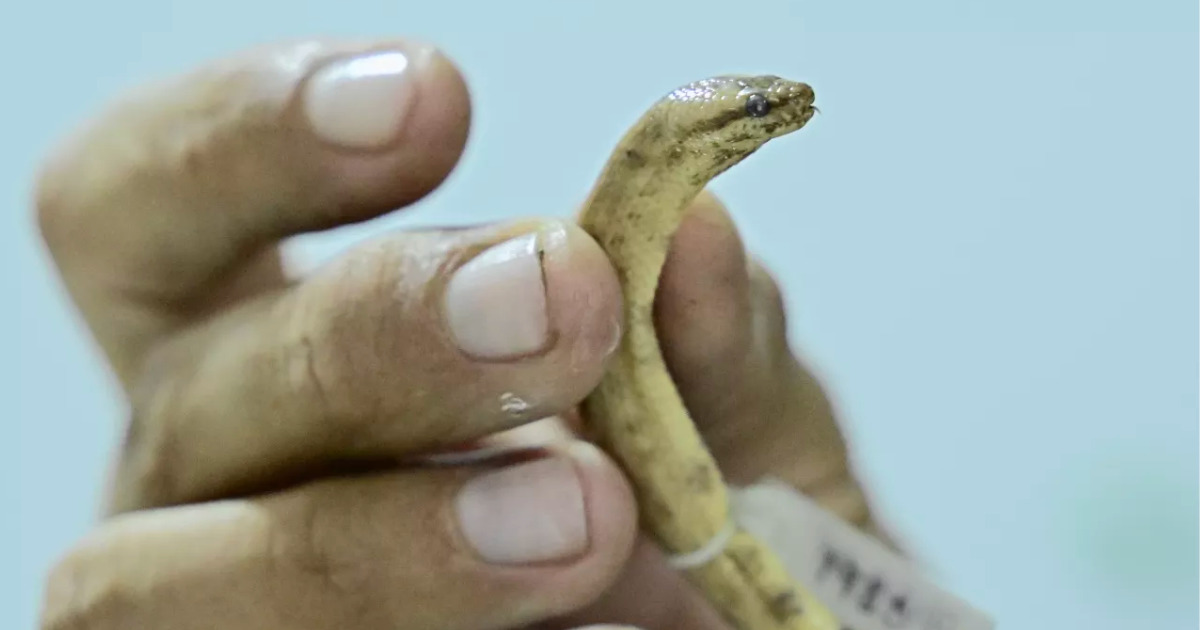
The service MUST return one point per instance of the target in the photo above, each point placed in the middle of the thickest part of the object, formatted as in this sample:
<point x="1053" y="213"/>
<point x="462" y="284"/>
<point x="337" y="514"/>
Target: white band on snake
<point x="707" y="552"/>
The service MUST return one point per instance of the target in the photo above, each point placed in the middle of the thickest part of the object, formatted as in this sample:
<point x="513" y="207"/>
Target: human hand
<point x="271" y="474"/>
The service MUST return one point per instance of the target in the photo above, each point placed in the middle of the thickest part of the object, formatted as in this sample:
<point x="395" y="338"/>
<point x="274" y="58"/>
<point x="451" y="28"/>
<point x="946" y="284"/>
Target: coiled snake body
<point x="686" y="139"/>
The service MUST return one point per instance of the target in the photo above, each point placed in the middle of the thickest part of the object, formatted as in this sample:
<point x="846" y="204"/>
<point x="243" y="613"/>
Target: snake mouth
<point x="809" y="111"/>
<point x="799" y="119"/>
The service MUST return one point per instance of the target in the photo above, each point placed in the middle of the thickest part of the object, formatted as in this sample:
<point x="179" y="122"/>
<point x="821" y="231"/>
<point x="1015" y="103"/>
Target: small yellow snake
<point x="686" y="139"/>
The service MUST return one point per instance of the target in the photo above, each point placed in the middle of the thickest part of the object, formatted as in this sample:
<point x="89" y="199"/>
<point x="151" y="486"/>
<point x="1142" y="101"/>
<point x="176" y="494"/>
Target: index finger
<point x="181" y="189"/>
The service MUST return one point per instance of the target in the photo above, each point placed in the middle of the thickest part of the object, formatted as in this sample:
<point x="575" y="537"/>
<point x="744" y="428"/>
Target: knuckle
<point x="319" y="546"/>
<point x="48" y="206"/>
<point x="766" y="291"/>
<point x="80" y="178"/>
<point x="61" y="199"/>
<point x="149" y="453"/>
<point x="770" y="313"/>
<point x="335" y="354"/>
<point x="359" y="328"/>
<point x="80" y="594"/>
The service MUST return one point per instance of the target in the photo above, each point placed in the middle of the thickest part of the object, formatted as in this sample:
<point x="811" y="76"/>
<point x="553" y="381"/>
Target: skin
<point x="684" y="141"/>
<point x="258" y="484"/>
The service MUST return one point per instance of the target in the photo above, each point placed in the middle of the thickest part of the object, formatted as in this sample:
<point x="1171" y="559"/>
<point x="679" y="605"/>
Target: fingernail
<point x="531" y="512"/>
<point x="360" y="102"/>
<point x="496" y="302"/>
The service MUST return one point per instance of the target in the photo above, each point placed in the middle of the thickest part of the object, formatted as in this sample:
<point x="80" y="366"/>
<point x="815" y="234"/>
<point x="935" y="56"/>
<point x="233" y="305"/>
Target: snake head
<point x="730" y="117"/>
<point x="764" y="106"/>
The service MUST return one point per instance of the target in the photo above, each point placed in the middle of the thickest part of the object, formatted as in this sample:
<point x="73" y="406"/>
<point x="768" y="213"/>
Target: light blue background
<point x="988" y="241"/>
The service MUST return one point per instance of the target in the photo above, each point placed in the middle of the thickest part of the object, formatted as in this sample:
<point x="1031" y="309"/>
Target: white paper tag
<point x="863" y="583"/>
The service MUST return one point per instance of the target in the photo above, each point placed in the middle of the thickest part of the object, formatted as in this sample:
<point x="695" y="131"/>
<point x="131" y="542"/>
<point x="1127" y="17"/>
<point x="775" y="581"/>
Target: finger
<point x="703" y="311"/>
<point x="164" y="199"/>
<point x="447" y="549"/>
<point x="413" y="342"/>
<point x="649" y="594"/>
<point x="723" y="326"/>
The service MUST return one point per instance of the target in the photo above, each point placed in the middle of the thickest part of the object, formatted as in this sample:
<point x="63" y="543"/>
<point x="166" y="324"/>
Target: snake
<point x="664" y="161"/>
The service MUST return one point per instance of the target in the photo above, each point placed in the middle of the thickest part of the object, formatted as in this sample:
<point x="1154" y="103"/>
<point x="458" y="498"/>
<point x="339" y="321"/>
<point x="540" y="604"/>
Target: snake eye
<point x="757" y="105"/>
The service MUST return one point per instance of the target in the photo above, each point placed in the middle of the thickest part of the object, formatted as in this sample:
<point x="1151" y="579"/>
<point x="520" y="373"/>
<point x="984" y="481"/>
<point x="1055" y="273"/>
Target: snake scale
<point x="664" y="161"/>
